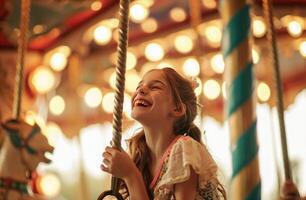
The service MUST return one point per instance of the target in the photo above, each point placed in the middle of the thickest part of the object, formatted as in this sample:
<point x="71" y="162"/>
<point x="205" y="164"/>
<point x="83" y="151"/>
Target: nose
<point x="142" y="90"/>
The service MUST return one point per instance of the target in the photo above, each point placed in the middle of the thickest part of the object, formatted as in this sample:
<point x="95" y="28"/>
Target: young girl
<point x="168" y="159"/>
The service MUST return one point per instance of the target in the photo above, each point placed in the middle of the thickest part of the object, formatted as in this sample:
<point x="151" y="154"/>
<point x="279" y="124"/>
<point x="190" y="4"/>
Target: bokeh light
<point x="57" y="105"/>
<point x="42" y="79"/>
<point x="211" y="89"/>
<point x="154" y="52"/>
<point x="93" y="97"/>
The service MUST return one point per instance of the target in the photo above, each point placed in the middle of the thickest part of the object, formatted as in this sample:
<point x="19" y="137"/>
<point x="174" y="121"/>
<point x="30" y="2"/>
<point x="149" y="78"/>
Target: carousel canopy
<point x="74" y="44"/>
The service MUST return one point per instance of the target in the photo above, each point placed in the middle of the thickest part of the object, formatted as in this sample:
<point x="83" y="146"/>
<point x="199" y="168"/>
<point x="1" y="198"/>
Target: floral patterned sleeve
<point x="185" y="154"/>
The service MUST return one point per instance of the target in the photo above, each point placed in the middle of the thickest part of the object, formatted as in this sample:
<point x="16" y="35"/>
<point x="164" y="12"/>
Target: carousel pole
<point x="241" y="115"/>
<point x="22" y="48"/>
<point x="289" y="189"/>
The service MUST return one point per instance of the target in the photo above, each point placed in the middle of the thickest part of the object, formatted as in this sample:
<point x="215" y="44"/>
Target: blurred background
<point x="70" y="76"/>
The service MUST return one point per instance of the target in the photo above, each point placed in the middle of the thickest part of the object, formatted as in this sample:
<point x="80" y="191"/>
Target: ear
<point x="179" y="110"/>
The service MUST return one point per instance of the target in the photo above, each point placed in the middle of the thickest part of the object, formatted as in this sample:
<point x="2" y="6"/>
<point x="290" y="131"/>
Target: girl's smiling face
<point x="153" y="99"/>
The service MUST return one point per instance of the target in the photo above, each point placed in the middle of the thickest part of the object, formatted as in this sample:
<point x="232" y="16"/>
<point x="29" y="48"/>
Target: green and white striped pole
<point x="241" y="114"/>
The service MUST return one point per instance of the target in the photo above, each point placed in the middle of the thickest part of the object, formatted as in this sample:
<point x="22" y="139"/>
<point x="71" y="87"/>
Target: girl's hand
<point x="118" y="163"/>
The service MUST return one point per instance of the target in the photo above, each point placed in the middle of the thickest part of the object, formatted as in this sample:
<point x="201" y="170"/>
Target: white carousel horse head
<point x="24" y="147"/>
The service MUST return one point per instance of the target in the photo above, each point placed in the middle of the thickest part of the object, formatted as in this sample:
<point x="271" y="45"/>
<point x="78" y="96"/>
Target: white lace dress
<point x="183" y="154"/>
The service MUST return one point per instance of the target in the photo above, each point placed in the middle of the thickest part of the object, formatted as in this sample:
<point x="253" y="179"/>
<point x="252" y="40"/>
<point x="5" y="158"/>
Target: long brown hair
<point x="182" y="92"/>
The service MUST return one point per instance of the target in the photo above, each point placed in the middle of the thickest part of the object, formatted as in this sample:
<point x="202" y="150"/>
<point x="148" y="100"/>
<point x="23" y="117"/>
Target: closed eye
<point x="156" y="87"/>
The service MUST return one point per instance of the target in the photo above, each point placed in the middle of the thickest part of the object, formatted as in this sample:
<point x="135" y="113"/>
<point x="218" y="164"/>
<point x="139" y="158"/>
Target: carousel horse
<point x="22" y="150"/>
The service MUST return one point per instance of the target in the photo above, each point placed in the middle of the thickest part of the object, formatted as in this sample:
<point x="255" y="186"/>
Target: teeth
<point x="142" y="102"/>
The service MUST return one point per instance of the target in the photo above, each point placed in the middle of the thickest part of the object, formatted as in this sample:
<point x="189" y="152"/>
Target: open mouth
<point x="142" y="103"/>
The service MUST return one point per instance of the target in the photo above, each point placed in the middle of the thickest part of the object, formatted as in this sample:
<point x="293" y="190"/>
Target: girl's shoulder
<point x="187" y="154"/>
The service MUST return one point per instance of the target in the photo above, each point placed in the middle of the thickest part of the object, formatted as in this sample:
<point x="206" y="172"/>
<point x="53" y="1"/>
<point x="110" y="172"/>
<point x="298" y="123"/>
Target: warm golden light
<point x="30" y="117"/>
<point x="138" y="12"/>
<point x="108" y="102"/>
<point x="127" y="106"/>
<point x="146" y="3"/>
<point x="65" y="50"/>
<point x="163" y="65"/>
<point x="217" y="63"/>
<point x="178" y="14"/>
<point x="154" y="52"/>
<point x="131" y="60"/>
<point x="263" y="92"/>
<point x="211" y="4"/>
<point x="112" y="80"/>
<point x="211" y="89"/>
<point x="149" y="25"/>
<point x="57" y="105"/>
<point x="259" y="27"/>
<point x="39" y="29"/>
<point x="42" y="79"/>
<point x="224" y="90"/>
<point x="58" y="61"/>
<point x="198" y="89"/>
<point x="213" y="34"/>
<point x="96" y="5"/>
<point x="49" y="185"/>
<point x="295" y="28"/>
<point x="191" y="67"/>
<point x="93" y="97"/>
<point x="132" y="80"/>
<point x="102" y="35"/>
<point x="183" y="43"/>
<point x="52" y="132"/>
<point x="302" y="48"/>
<point x="255" y="56"/>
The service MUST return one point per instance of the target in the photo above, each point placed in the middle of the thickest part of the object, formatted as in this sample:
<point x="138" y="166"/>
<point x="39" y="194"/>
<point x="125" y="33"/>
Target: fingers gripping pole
<point x="22" y="47"/>
<point x="278" y="84"/>
<point x="120" y="79"/>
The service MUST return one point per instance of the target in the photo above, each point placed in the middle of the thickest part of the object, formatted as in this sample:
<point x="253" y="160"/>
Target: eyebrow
<point x="152" y="82"/>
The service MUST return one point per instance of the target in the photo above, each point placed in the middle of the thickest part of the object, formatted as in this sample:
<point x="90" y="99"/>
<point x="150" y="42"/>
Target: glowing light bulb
<point x="102" y="35"/>
<point x="183" y="44"/>
<point x="178" y="14"/>
<point x="49" y="185"/>
<point x="259" y="28"/>
<point x="138" y="12"/>
<point x="217" y="63"/>
<point x="43" y="80"/>
<point x="57" y="105"/>
<point x="93" y="97"/>
<point x="295" y="28"/>
<point x="191" y="67"/>
<point x="263" y="91"/>
<point x="213" y="34"/>
<point x="58" y="61"/>
<point x="211" y="89"/>
<point x="154" y="52"/>
<point x="149" y="25"/>
<point x="96" y="5"/>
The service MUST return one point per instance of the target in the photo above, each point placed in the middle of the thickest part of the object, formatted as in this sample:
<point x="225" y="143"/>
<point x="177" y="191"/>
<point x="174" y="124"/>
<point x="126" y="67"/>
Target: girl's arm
<point x="136" y="186"/>
<point x="187" y="190"/>
<point x="119" y="164"/>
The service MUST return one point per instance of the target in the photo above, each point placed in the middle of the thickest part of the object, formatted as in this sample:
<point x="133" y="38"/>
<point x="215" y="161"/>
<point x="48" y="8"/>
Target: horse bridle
<point x="20" y="143"/>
